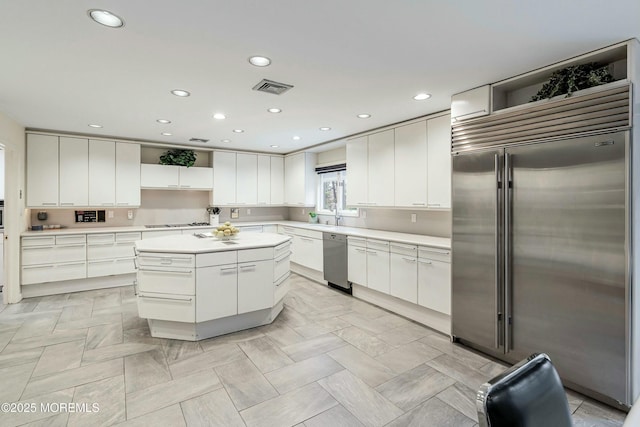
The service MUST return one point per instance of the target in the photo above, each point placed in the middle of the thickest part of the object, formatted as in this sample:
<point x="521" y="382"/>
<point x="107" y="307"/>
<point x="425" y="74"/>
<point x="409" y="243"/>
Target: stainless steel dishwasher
<point x="335" y="261"/>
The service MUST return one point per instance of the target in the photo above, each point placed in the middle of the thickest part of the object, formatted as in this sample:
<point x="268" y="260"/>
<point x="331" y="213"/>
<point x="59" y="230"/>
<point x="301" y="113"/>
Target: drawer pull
<point x="50" y="204"/>
<point x="107" y="204"/>
<point x="166" y="299"/>
<point x="306" y="239"/>
<point x="37" y="266"/>
<point x="125" y="243"/>
<point x="248" y="266"/>
<point x="372" y="252"/>
<point x="100" y="244"/>
<point x="360" y="250"/>
<point x="278" y="261"/>
<point x="425" y="262"/>
<point x="418" y="204"/>
<point x="409" y="259"/>
<point x="166" y="271"/>
<point x="29" y="248"/>
<point x="229" y="269"/>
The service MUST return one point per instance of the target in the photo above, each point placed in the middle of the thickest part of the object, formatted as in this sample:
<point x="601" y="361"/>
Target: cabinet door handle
<point x="360" y="250"/>
<point x="100" y="244"/>
<point x="372" y="252"/>
<point x="164" y="298"/>
<point x="30" y="248"/>
<point x="122" y="204"/>
<point x="434" y="204"/>
<point x="418" y="204"/>
<point x="409" y="259"/>
<point x="125" y="243"/>
<point x="49" y="204"/>
<point x="306" y="239"/>
<point x="166" y="271"/>
<point x="248" y="266"/>
<point x="425" y="262"/>
<point x="185" y="186"/>
<point x="33" y="267"/>
<point x="173" y="185"/>
<point x="107" y="204"/>
<point x="66" y="204"/>
<point x="229" y="269"/>
<point x="71" y="246"/>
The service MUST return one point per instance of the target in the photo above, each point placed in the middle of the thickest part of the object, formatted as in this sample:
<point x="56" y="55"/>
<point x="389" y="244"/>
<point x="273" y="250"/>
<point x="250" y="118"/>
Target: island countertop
<point x="192" y="244"/>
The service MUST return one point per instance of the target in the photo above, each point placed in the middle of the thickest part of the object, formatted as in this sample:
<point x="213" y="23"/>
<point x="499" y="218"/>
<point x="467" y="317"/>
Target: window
<point x="332" y="186"/>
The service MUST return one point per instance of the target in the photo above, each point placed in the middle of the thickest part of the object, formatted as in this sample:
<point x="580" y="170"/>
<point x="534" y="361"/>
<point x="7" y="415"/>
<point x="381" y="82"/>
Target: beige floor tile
<point x="60" y="357"/>
<point x="302" y="373"/>
<point x="109" y="396"/>
<point x="313" y="347"/>
<point x="104" y="335"/>
<point x="12" y="419"/>
<point x="438" y="414"/>
<point x="362" y="365"/>
<point x="413" y="387"/>
<point x="408" y="356"/>
<point x="212" y="409"/>
<point x="265" y="354"/>
<point x="14" y="380"/>
<point x="171" y="416"/>
<point x="245" y="383"/>
<point x="337" y="416"/>
<point x="217" y="356"/>
<point x="143" y="370"/>
<point x="462" y="398"/>
<point x="115" y="351"/>
<point x="364" y="341"/>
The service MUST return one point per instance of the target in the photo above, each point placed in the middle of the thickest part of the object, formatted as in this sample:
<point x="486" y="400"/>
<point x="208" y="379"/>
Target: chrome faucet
<point x="335" y="204"/>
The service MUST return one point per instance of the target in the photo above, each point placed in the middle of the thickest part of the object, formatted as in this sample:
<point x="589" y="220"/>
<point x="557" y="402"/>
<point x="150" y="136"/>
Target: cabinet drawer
<point x="39" y="241"/>
<point x="97" y="251"/>
<point x="167" y="281"/>
<point x="216" y="258"/>
<point x="36" y="255"/>
<point x="378" y="245"/>
<point x="71" y="239"/>
<point x="124" y="249"/>
<point x="37" y="274"/>
<point x="71" y="253"/>
<point x="128" y="237"/>
<point x="125" y="265"/>
<point x="302" y="232"/>
<point x="178" y="308"/>
<point x="167" y="260"/>
<point x="403" y="249"/>
<point x="281" y="266"/>
<point x="100" y="238"/>
<point x="434" y="253"/>
<point x="71" y="271"/>
<point x="357" y="241"/>
<point x="255" y="254"/>
<point x="281" y="288"/>
<point x="100" y="268"/>
<point x="283" y="248"/>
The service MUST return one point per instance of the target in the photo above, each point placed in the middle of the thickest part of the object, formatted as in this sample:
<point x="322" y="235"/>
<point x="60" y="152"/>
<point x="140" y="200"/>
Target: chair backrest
<point x="529" y="394"/>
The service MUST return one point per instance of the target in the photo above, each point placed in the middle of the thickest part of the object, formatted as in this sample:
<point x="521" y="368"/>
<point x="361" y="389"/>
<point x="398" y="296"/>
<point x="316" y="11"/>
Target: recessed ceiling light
<point x="296" y="138"/>
<point x="238" y="130"/>
<point x="166" y="134"/>
<point x="274" y="146"/>
<point x="105" y="18"/>
<point x="219" y="116"/>
<point x="180" y="92"/>
<point x="274" y="110"/>
<point x="422" y="96"/>
<point x="225" y="140"/>
<point x="163" y="121"/>
<point x="95" y="126"/>
<point x="325" y="128"/>
<point x="259" y="61"/>
<point x="364" y="116"/>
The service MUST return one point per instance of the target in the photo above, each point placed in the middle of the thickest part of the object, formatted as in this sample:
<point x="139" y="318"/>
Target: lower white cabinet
<point x="434" y="279"/>
<point x="52" y="259"/>
<point x="110" y="254"/>
<point x="178" y="308"/>
<point x="357" y="261"/>
<point x="306" y="247"/>
<point x="255" y="285"/>
<point x="378" y="266"/>
<point x="217" y="290"/>
<point x="404" y="272"/>
<point x="168" y="280"/>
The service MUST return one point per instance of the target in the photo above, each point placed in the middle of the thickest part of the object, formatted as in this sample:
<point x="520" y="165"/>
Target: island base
<point x="199" y="331"/>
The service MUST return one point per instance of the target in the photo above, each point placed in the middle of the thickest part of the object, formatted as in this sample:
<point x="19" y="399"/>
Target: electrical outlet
<point x="248" y="211"/>
<point x="110" y="214"/>
<point x="413" y="218"/>
<point x="129" y="214"/>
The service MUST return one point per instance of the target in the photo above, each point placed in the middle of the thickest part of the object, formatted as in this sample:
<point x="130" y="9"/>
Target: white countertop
<point x="407" y="238"/>
<point x="188" y="243"/>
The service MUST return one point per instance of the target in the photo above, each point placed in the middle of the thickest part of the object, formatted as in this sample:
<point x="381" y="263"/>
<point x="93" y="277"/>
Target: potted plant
<point x="178" y="157"/>
<point x="573" y="78"/>
<point x="313" y="217"/>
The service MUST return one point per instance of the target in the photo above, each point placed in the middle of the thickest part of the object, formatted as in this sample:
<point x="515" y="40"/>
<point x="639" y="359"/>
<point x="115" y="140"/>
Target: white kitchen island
<point x="193" y="288"/>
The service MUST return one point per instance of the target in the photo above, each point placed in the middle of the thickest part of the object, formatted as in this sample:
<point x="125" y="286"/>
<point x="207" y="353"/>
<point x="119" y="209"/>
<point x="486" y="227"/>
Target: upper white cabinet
<point x="127" y="174"/>
<point x="175" y="177"/>
<point x="439" y="162"/>
<point x="300" y="179"/>
<point x="102" y="173"/>
<point x="370" y="170"/>
<point x="224" y="178"/>
<point x="246" y="179"/>
<point x="471" y="103"/>
<point x="277" y="180"/>
<point x="411" y="165"/>
<point x="74" y="168"/>
<point x="264" y="180"/>
<point x="42" y="170"/>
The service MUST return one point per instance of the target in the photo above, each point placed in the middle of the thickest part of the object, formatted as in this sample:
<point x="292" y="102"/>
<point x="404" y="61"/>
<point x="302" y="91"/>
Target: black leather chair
<point x="529" y="394"/>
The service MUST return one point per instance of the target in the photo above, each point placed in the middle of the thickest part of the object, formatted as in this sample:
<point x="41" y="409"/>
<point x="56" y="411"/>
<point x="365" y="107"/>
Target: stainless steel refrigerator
<point x="540" y="256"/>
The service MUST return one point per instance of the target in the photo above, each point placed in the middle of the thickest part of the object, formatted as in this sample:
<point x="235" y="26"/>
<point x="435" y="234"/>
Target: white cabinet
<point x="378" y="266"/>
<point x="300" y="179"/>
<point x="217" y="290"/>
<point x="74" y="168"/>
<point x="255" y="285"/>
<point x="381" y="168"/>
<point x="277" y="180"/>
<point x="127" y="174"/>
<point x="111" y="254"/>
<point x="175" y="177"/>
<point x="309" y="252"/>
<point x="263" y="195"/>
<point x="439" y="162"/>
<point x="2" y="169"/>
<point x="224" y="178"/>
<point x="471" y="103"/>
<point x="52" y="259"/>
<point x="357" y="261"/>
<point x="158" y="176"/>
<point x="246" y="179"/>
<point x="357" y="171"/>
<point x="404" y="272"/>
<point x="370" y="170"/>
<point x="102" y="173"/>
<point x="42" y="170"/>
<point x="411" y="165"/>
<point x="434" y="279"/>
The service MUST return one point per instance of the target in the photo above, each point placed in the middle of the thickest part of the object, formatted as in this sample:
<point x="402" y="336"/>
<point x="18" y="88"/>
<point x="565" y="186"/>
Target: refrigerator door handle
<point x="507" y="251"/>
<point x="497" y="249"/>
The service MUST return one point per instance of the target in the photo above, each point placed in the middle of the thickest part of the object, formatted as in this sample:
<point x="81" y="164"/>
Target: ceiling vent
<point x="199" y="140"/>
<point x="269" y="86"/>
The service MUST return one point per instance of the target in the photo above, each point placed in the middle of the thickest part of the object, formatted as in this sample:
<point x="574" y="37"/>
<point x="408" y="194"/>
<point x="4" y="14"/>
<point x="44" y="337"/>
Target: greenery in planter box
<point x="178" y="157"/>
<point x="573" y="78"/>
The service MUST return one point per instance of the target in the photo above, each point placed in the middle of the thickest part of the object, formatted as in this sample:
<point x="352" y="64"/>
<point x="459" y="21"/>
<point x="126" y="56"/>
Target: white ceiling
<point x="61" y="71"/>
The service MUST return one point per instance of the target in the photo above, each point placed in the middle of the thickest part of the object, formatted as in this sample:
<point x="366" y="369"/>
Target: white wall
<point x="13" y="138"/>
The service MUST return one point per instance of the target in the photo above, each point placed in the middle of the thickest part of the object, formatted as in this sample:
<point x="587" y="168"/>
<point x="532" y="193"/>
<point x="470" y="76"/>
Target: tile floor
<point x="328" y="360"/>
